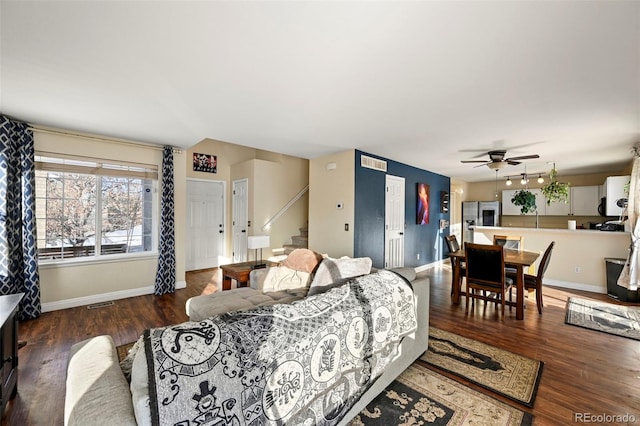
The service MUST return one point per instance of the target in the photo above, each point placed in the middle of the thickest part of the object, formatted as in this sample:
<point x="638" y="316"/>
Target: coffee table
<point x="240" y="272"/>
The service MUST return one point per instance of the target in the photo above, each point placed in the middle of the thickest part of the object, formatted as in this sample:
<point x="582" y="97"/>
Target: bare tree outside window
<point x="67" y="209"/>
<point x="122" y="212"/>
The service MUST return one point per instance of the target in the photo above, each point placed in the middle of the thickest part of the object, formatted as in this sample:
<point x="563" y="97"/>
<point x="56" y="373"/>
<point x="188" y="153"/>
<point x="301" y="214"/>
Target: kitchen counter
<point x="577" y="260"/>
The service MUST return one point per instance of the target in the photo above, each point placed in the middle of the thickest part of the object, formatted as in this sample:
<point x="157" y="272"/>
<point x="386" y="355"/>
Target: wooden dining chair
<point x="485" y="272"/>
<point x="510" y="242"/>
<point x="534" y="282"/>
<point x="452" y="245"/>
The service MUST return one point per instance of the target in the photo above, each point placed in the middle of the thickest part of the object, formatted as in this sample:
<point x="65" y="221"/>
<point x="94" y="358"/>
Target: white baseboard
<point x="104" y="297"/>
<point x="577" y="286"/>
<point x="431" y="265"/>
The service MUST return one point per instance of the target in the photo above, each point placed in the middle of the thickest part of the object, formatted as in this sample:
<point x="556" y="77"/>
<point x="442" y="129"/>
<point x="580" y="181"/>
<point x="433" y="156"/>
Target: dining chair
<point x="452" y="244"/>
<point x="534" y="282"/>
<point x="485" y="272"/>
<point x="510" y="242"/>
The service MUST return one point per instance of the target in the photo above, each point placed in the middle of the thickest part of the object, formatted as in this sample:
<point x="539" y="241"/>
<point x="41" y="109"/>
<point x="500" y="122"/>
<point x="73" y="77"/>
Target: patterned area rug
<point x="511" y="375"/>
<point x="123" y="350"/>
<point x="421" y="396"/>
<point x="606" y="317"/>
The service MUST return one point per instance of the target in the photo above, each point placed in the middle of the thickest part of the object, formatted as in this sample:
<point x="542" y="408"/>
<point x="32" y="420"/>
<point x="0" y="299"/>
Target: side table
<point x="9" y="346"/>
<point x="240" y="272"/>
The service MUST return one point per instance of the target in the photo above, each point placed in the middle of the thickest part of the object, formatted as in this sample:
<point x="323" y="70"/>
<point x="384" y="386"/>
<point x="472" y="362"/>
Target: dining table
<point x="518" y="259"/>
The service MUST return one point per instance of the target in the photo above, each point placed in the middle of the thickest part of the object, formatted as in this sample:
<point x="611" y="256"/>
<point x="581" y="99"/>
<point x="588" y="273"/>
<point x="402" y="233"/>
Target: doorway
<point x="205" y="224"/>
<point x="240" y="214"/>
<point x="394" y="222"/>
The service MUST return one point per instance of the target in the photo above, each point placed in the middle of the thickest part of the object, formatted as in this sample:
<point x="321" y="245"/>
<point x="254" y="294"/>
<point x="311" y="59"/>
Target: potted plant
<point x="526" y="200"/>
<point x="554" y="190"/>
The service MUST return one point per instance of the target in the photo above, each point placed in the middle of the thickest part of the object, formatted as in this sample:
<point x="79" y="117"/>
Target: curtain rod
<point x="99" y="138"/>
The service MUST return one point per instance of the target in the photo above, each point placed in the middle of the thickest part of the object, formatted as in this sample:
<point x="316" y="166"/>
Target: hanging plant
<point x="526" y="200"/>
<point x="554" y="190"/>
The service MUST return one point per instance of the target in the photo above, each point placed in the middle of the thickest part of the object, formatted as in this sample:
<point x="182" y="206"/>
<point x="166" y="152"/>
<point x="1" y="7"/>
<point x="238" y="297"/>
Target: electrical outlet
<point x="578" y="269"/>
<point x="418" y="256"/>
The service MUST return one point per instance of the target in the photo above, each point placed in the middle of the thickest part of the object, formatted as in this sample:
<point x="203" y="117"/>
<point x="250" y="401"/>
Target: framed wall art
<point x="205" y="163"/>
<point x="422" y="214"/>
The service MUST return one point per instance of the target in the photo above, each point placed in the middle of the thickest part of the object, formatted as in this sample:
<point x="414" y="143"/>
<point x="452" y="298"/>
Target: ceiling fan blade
<point x="524" y="157"/>
<point x="512" y="163"/>
<point x="482" y="165"/>
<point x="475" y="161"/>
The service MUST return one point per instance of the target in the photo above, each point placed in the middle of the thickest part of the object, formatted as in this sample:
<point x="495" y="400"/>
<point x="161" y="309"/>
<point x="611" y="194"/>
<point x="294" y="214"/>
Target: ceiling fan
<point x="497" y="160"/>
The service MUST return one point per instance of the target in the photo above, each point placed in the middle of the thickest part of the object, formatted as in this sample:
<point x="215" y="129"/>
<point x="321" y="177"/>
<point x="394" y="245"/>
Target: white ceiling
<point x="424" y="83"/>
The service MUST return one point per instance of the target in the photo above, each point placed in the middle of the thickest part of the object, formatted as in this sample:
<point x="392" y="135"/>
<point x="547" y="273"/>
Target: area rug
<point x="620" y="320"/>
<point x="421" y="396"/>
<point x="123" y="350"/>
<point x="506" y="373"/>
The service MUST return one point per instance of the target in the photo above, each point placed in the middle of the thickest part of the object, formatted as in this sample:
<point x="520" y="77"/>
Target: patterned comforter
<point x="306" y="362"/>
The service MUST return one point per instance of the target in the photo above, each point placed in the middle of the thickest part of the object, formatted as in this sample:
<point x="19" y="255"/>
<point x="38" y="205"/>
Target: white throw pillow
<point x="280" y="278"/>
<point x="334" y="272"/>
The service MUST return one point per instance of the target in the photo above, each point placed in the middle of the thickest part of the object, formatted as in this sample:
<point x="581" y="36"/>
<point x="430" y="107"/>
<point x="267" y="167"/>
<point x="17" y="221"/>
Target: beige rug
<point x="123" y="350"/>
<point x="421" y="396"/>
<point x="620" y="320"/>
<point x="506" y="373"/>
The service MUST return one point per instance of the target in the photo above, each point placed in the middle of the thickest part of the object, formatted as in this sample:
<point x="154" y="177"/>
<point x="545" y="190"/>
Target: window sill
<point x="91" y="260"/>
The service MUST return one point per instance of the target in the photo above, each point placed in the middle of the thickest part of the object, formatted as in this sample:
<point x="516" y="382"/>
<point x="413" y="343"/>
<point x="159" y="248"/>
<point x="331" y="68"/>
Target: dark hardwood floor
<point x="585" y="371"/>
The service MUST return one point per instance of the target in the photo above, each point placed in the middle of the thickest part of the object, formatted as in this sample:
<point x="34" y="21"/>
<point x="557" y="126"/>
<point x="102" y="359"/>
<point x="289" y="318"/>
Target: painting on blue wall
<point x="422" y="217"/>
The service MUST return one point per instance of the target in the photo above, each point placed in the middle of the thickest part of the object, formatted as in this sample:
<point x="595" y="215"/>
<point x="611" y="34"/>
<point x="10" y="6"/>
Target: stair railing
<point x="286" y="207"/>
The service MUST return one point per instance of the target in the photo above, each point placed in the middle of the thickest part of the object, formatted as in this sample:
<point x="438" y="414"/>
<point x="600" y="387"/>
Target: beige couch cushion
<point x="238" y="299"/>
<point x="97" y="391"/>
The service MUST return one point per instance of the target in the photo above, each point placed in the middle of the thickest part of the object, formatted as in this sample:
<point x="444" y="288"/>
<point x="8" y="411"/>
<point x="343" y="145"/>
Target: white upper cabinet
<point x="583" y="201"/>
<point x="558" y="208"/>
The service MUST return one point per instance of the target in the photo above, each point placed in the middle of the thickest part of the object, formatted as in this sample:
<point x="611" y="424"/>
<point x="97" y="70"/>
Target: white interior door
<point x="205" y="224"/>
<point x="394" y="222"/>
<point x="240" y="214"/>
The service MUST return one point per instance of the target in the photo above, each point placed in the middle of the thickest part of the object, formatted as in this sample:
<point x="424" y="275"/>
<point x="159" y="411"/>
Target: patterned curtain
<point x="166" y="274"/>
<point x="630" y="275"/>
<point x="18" y="251"/>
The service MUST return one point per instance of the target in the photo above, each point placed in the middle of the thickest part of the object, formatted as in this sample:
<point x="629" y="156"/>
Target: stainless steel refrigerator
<point x="481" y="213"/>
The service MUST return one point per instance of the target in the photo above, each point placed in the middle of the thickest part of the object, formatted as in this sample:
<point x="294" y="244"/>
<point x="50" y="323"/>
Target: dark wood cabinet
<point x="9" y="346"/>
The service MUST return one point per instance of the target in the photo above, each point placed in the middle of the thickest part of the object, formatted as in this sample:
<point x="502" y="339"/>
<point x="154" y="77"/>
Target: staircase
<point x="297" y="241"/>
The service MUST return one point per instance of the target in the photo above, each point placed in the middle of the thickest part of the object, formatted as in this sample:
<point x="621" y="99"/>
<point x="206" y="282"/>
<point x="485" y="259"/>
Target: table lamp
<point x="258" y="242"/>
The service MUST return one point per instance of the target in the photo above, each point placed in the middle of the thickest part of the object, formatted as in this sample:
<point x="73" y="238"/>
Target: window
<point x="89" y="208"/>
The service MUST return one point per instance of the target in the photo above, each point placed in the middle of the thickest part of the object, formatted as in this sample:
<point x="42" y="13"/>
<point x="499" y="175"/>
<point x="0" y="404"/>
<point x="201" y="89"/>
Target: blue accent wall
<point x="425" y="240"/>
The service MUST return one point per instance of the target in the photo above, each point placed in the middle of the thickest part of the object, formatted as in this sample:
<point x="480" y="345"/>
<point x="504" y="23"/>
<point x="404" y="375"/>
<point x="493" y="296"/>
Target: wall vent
<point x="100" y="305"/>
<point x="373" y="163"/>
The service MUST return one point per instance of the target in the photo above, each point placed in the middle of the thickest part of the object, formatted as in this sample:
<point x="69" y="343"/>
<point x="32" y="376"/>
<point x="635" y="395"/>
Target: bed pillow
<point x="335" y="272"/>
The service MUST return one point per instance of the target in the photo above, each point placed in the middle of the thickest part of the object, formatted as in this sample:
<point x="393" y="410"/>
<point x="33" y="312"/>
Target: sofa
<point x="98" y="391"/>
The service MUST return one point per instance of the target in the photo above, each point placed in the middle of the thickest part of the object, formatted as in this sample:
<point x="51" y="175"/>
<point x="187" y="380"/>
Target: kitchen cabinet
<point x="510" y="209"/>
<point x="558" y="208"/>
<point x="583" y="201"/>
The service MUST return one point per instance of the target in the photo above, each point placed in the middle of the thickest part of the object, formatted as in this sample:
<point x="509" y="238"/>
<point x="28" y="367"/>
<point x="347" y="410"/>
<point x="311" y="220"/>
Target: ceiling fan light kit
<point x="497" y="160"/>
